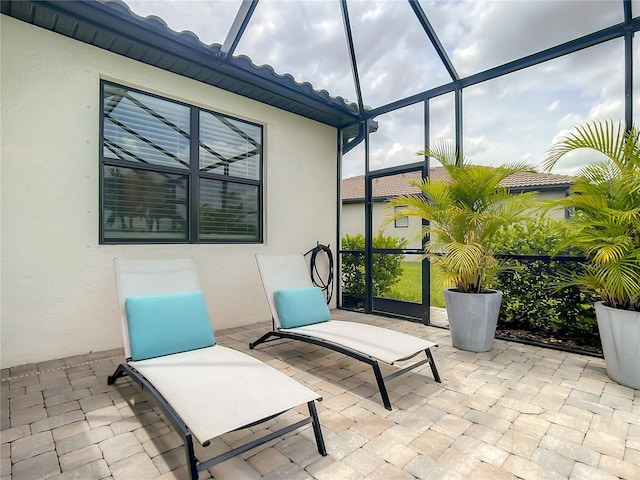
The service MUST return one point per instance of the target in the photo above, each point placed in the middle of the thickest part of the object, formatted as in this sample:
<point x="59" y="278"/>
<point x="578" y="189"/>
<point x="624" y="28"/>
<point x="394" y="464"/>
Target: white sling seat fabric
<point x="280" y="272"/>
<point x="380" y="343"/>
<point x="215" y="390"/>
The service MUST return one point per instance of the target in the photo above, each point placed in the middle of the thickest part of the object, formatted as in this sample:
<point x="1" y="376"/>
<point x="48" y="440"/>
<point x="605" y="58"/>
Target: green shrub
<point x="531" y="299"/>
<point x="387" y="267"/>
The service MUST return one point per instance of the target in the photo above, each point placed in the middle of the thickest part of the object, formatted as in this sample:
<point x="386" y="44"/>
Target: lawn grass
<point x="410" y="286"/>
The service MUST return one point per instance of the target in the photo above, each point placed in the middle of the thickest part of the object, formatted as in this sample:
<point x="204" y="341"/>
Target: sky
<point x="512" y="118"/>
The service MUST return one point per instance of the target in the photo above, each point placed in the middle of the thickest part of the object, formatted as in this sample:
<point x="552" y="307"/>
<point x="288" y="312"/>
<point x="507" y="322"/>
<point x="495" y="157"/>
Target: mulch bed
<point x="544" y="339"/>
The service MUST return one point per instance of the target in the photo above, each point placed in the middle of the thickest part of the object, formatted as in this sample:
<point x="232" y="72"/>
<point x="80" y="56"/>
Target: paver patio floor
<point x="518" y="411"/>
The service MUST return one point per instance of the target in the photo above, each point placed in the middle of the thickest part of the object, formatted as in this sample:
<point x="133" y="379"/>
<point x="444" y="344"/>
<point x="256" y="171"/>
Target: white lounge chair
<point x="204" y="389"/>
<point x="299" y="312"/>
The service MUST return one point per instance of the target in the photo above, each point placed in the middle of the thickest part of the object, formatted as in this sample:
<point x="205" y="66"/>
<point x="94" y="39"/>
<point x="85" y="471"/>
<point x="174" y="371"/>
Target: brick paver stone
<point x="91" y="471"/>
<point x="234" y="469"/>
<point x="120" y="447"/>
<point x="586" y="472"/>
<point x="337" y="471"/>
<point x="41" y="466"/>
<point x="364" y="462"/>
<point x="171" y="460"/>
<point x="620" y="468"/>
<point x="27" y="415"/>
<point x="31" y="446"/>
<point x="138" y="467"/>
<point x="80" y="457"/>
<point x="553" y="461"/>
<point x="517" y="410"/>
<point x="267" y="460"/>
<point x="579" y="453"/>
<point x="426" y="468"/>
<point x="480" y="450"/>
<point x="80" y="440"/>
<point x="28" y="400"/>
<point x="459" y="461"/>
<point x="530" y="471"/>
<point x="57" y="421"/>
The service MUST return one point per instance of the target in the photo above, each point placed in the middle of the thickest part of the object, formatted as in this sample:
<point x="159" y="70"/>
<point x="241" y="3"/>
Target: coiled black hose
<point x="325" y="284"/>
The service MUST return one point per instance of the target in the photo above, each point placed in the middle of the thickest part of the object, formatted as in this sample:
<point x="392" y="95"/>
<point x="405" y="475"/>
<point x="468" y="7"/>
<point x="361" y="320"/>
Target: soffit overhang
<point x="112" y="26"/>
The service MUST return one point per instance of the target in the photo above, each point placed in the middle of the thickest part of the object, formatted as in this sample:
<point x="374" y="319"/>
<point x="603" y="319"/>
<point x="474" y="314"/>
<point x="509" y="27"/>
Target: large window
<point x="175" y="173"/>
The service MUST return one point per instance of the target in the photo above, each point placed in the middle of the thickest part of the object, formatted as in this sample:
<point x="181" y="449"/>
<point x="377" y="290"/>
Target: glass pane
<point x="353" y="286"/>
<point x="517" y="117"/>
<point x="352" y="217"/>
<point x="442" y="118"/>
<point x="143" y="205"/>
<point x="145" y="129"/>
<point x="389" y="234"/>
<point x="352" y="214"/>
<point x="481" y="35"/>
<point x="353" y="162"/>
<point x="395" y="57"/>
<point x="397" y="276"/>
<point x="229" y="147"/>
<point x="228" y="211"/>
<point x="399" y="137"/>
<point x="304" y="39"/>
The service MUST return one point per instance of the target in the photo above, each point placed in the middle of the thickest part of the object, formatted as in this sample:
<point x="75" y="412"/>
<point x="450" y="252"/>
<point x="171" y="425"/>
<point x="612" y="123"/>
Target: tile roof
<point x="111" y="25"/>
<point x="385" y="187"/>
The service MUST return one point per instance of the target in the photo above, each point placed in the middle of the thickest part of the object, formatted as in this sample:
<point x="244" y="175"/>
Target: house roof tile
<point x="391" y="186"/>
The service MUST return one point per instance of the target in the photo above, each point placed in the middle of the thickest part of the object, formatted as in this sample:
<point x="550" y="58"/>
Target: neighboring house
<point x="549" y="186"/>
<point x="102" y="158"/>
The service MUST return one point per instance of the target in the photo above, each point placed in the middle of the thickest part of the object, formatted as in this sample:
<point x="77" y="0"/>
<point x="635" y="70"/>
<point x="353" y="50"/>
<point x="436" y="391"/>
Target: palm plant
<point x="606" y="201"/>
<point x="465" y="213"/>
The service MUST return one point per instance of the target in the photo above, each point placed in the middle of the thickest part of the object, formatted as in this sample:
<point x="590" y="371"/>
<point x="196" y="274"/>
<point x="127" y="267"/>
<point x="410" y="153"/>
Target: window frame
<point x="193" y="174"/>
<point x="405" y="219"/>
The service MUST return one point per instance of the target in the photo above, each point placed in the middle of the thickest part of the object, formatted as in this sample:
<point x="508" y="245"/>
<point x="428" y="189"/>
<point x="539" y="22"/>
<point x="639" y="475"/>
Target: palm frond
<point x="606" y="199"/>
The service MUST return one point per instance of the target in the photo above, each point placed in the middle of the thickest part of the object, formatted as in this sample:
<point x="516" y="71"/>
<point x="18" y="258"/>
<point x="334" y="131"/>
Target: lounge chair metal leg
<point x="432" y="363"/>
<point x="381" y="386"/>
<point x="262" y="339"/>
<point x="119" y="372"/>
<point x="322" y="450"/>
<point x="191" y="457"/>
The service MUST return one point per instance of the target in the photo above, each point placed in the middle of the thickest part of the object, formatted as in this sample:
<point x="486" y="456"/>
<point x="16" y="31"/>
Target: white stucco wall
<point x="58" y="294"/>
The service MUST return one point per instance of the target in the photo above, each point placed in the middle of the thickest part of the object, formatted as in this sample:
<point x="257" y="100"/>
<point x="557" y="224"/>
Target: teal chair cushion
<point x="301" y="306"/>
<point x="167" y="324"/>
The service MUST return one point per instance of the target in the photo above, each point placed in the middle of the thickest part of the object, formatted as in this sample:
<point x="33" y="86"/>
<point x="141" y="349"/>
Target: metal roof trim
<point x="288" y="77"/>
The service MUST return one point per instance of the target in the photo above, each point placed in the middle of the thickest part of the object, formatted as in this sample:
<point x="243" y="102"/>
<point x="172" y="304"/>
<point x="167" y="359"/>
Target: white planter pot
<point x="620" y="336"/>
<point x="473" y="318"/>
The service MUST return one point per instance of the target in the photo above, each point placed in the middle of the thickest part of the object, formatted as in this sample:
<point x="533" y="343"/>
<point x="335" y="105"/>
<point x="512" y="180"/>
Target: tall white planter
<point x="620" y="337"/>
<point x="473" y="318"/>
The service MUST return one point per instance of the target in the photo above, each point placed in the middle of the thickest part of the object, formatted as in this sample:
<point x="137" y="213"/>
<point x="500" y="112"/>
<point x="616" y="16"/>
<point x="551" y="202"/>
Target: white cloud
<point x="496" y="32"/>
<point x="513" y="117"/>
<point x="475" y="146"/>
<point x="553" y="105"/>
<point x="608" y="108"/>
<point x="397" y="154"/>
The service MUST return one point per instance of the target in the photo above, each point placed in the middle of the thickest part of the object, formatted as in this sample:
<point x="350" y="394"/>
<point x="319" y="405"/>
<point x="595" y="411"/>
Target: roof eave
<point x="113" y="27"/>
